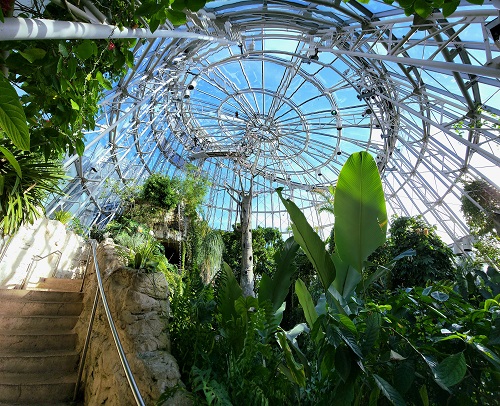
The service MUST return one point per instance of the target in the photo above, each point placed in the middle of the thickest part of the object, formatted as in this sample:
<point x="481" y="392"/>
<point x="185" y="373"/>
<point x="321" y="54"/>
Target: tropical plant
<point x="26" y="179"/>
<point x="481" y="207"/>
<point x="432" y="260"/>
<point x="63" y="216"/>
<point x="161" y="190"/>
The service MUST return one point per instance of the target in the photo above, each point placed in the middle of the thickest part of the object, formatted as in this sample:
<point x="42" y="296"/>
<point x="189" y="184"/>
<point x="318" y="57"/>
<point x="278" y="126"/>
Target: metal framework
<point x="282" y="92"/>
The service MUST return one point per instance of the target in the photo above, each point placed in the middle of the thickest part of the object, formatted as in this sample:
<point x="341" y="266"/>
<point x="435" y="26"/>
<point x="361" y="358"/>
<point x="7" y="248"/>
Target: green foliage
<point x="193" y="189"/>
<point x="26" y="179"/>
<point x="423" y="8"/>
<point x="62" y="83"/>
<point x="432" y="261"/>
<point x="430" y="346"/>
<point x="12" y="117"/>
<point x="486" y="218"/>
<point x="360" y="213"/>
<point x="162" y="191"/>
<point x="266" y="242"/>
<point x="63" y="216"/>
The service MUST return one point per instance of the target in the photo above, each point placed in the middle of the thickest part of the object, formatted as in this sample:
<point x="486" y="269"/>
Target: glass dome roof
<point x="280" y="93"/>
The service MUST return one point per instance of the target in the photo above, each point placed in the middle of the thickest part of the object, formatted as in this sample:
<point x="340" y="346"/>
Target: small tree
<point x="481" y="207"/>
<point x="432" y="260"/>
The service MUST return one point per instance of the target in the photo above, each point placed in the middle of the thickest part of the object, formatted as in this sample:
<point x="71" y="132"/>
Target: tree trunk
<point x="246" y="281"/>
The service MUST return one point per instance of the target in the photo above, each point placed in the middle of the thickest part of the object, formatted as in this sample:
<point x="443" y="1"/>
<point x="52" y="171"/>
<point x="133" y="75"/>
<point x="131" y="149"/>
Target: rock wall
<point x="139" y="306"/>
<point x="62" y="249"/>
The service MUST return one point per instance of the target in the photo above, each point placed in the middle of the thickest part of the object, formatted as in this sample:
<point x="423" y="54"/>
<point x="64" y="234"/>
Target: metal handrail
<point x="39" y="258"/>
<point x="114" y="332"/>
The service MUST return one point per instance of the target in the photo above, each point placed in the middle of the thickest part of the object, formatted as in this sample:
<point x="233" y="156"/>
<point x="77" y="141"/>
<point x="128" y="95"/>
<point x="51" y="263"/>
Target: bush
<point x="161" y="191"/>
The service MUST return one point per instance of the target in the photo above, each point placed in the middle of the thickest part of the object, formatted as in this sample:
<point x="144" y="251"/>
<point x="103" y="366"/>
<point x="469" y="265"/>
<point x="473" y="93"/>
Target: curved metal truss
<point x="291" y="90"/>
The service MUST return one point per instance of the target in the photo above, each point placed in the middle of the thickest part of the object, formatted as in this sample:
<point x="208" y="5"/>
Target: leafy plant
<point x="63" y="216"/>
<point x="481" y="207"/>
<point x="161" y="190"/>
<point x="432" y="261"/>
<point x="26" y="179"/>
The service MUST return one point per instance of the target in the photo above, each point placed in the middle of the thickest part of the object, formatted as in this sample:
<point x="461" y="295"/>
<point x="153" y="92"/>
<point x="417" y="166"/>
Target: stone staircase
<point x="38" y="360"/>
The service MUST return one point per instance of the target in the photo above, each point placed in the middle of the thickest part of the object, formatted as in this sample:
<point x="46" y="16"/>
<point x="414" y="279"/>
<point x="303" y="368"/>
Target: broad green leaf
<point x="176" y="17"/>
<point x="306" y="302"/>
<point x="148" y="8"/>
<point x="12" y="117"/>
<point x="85" y="50"/>
<point x="372" y="332"/>
<point x="404" y="376"/>
<point x="104" y="82"/>
<point x="450" y="7"/>
<point x="228" y="293"/>
<point x="360" y="212"/>
<point x="350" y="340"/>
<point x="276" y="289"/>
<point x="33" y="54"/>
<point x="195" y="5"/>
<point x="79" y="147"/>
<point x="389" y="392"/>
<point x="451" y="370"/>
<point x="346" y="277"/>
<point x="422" y="8"/>
<point x="310" y="242"/>
<point x="343" y="362"/>
<point x="63" y="50"/>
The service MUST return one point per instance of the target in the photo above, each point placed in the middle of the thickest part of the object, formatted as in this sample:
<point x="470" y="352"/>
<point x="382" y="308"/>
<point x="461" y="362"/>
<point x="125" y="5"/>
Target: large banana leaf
<point x="12" y="117"/>
<point x="276" y="289"/>
<point x="360" y="213"/>
<point x="310" y="242"/>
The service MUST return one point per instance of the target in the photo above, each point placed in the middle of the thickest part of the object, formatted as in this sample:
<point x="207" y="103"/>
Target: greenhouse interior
<point x="236" y="202"/>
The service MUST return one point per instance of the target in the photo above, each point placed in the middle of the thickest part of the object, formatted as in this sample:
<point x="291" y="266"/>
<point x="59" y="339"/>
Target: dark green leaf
<point x="85" y="50"/>
<point x="12" y="117"/>
<point x="389" y="392"/>
<point x="79" y="147"/>
<point x="154" y="23"/>
<point x="276" y="289"/>
<point x="422" y="8"/>
<point x="33" y="54"/>
<point x="176" y="17"/>
<point x="310" y="242"/>
<point x="63" y="50"/>
<point x="195" y="5"/>
<point x="372" y="332"/>
<point x="450" y="7"/>
<point x="451" y="370"/>
<point x="360" y="212"/>
<point x="343" y="362"/>
<point x="148" y="8"/>
<point x="230" y="291"/>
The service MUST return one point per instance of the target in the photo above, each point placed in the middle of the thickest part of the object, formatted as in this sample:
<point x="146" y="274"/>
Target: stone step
<point x="40" y="295"/>
<point x="36" y="389"/>
<point x="37" y="323"/>
<point x="22" y="308"/>
<point x="39" y="362"/>
<point x="59" y="284"/>
<point x="34" y="341"/>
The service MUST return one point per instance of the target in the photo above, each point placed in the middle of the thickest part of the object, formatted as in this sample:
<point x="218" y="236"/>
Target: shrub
<point x="161" y="191"/>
